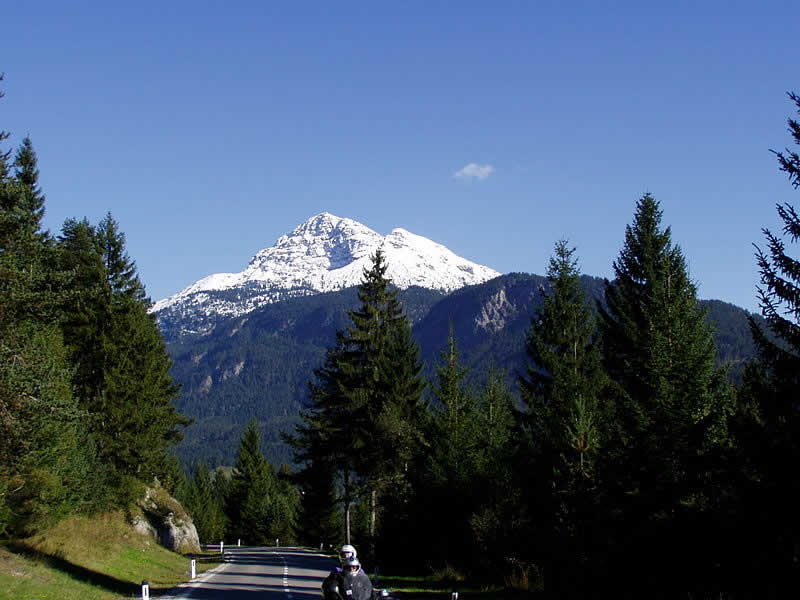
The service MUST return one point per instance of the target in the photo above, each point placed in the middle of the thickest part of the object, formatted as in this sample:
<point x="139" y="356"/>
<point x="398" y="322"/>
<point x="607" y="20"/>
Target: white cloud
<point x="475" y="170"/>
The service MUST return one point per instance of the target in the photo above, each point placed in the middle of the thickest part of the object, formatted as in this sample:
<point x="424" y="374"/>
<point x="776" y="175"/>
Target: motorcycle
<point x="334" y="593"/>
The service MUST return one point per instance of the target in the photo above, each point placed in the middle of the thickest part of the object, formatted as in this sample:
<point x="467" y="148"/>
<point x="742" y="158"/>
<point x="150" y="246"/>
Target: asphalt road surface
<point x="264" y="573"/>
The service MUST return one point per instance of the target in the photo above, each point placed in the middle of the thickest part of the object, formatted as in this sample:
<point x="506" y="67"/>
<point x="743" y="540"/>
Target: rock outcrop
<point x="161" y="517"/>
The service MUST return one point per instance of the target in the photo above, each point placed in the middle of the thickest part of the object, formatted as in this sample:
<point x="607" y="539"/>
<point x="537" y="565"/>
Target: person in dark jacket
<point x="345" y="552"/>
<point x="352" y="583"/>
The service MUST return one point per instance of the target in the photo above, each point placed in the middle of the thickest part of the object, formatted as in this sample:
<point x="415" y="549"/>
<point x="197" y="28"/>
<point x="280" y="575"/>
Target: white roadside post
<point x="239" y="542"/>
<point x="194" y="568"/>
<point x="145" y="590"/>
<point x="222" y="547"/>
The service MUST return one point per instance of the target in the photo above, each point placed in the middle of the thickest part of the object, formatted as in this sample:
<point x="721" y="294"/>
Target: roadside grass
<point x="98" y="558"/>
<point x="433" y="587"/>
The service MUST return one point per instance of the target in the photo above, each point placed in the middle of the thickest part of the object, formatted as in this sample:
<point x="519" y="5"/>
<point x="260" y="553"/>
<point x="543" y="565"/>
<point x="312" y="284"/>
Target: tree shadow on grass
<point x="77" y="572"/>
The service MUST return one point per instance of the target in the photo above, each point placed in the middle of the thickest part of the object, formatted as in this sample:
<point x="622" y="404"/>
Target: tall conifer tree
<point x="672" y="405"/>
<point x="366" y="401"/>
<point x="564" y="422"/>
<point x="769" y="427"/>
<point x="122" y="367"/>
<point x="46" y="459"/>
<point x="258" y="506"/>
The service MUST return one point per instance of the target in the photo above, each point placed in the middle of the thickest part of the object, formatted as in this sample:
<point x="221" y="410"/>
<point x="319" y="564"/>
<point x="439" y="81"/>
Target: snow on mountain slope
<point x="325" y="253"/>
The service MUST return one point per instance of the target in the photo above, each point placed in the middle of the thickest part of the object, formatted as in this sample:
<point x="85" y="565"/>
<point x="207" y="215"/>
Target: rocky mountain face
<point x="325" y="254"/>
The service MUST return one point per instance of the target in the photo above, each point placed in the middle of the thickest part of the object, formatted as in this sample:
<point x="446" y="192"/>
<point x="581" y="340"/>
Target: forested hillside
<point x="259" y="366"/>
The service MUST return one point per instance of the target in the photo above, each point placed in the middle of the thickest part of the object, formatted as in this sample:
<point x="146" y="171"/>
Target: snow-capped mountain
<point x="326" y="253"/>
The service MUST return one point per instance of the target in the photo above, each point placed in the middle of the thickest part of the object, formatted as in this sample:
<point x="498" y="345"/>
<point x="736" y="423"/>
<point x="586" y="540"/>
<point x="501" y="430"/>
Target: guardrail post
<point x="194" y="568"/>
<point x="145" y="590"/>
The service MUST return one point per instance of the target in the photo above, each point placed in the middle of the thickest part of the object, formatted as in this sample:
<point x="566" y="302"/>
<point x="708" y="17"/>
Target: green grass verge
<point x="98" y="558"/>
<point x="434" y="588"/>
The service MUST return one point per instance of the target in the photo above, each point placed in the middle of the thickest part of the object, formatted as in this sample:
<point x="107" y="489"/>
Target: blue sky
<point x="210" y="129"/>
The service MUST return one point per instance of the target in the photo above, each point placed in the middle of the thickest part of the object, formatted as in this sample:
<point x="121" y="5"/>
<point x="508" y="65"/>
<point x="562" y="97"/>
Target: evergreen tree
<point x="779" y="295"/>
<point x="319" y="519"/>
<point x="46" y="458"/>
<point x="768" y="427"/>
<point x="30" y="279"/>
<point x="122" y="280"/>
<point x="495" y="420"/>
<point x="122" y="367"/>
<point x="86" y="314"/>
<point x="257" y="507"/>
<point x="322" y="444"/>
<point x="383" y="384"/>
<point x="495" y="520"/>
<point x="139" y="422"/>
<point x="447" y="490"/>
<point x="4" y="155"/>
<point x="32" y="200"/>
<point x="205" y="505"/>
<point x="563" y="424"/>
<point x="365" y="404"/>
<point x="564" y="378"/>
<point x="672" y="405"/>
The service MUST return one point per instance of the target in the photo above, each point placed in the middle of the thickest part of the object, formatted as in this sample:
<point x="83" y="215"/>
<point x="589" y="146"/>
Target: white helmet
<point x="345" y="552"/>
<point x="351" y="565"/>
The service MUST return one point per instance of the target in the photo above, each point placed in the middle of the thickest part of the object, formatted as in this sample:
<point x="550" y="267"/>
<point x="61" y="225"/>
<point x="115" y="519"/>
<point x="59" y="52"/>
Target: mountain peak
<point x="322" y="254"/>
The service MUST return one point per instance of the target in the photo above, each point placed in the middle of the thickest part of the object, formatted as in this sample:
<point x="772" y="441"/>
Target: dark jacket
<point x="350" y="586"/>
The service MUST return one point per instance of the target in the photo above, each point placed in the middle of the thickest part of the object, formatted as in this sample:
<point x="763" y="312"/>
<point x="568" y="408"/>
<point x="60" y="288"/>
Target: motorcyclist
<point x="348" y="583"/>
<point x="345" y="552"/>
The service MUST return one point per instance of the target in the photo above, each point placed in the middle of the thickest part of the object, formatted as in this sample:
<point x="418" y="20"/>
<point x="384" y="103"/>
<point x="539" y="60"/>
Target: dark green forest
<point x="632" y="452"/>
<point x="86" y="411"/>
<point x="257" y="366"/>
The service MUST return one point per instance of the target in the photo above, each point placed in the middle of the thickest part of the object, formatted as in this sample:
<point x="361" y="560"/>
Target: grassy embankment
<point x="101" y="558"/>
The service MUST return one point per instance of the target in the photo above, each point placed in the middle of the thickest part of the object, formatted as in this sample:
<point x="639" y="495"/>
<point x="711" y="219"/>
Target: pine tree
<point x="140" y="422"/>
<point x="27" y="174"/>
<point x="47" y="466"/>
<point x="455" y="434"/>
<point x="322" y="444"/>
<point x="382" y="381"/>
<point x="672" y="405"/>
<point x="768" y="427"/>
<point x="365" y="404"/>
<point x="562" y="391"/>
<point x="29" y="279"/>
<point x="258" y="507"/>
<point x="4" y="135"/>
<point x="122" y="367"/>
<point x="494" y="521"/>
<point x="447" y="494"/>
<point x="319" y="519"/>
<point x="779" y="293"/>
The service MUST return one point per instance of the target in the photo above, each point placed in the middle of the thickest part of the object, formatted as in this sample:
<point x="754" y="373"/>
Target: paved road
<point x="261" y="573"/>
